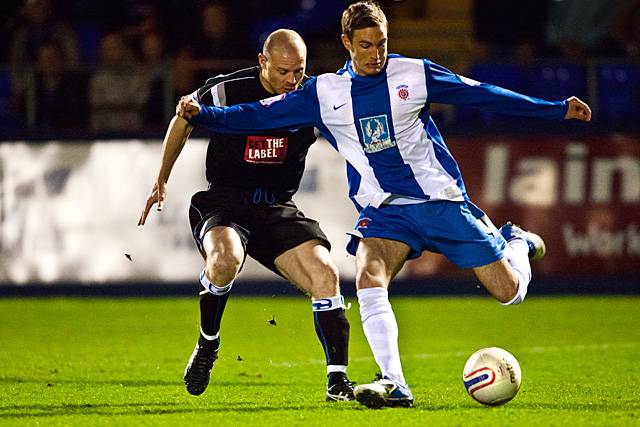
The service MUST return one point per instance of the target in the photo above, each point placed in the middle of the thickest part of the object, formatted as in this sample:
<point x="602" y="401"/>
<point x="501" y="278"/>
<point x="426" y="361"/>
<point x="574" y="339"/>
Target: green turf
<point x="120" y="362"/>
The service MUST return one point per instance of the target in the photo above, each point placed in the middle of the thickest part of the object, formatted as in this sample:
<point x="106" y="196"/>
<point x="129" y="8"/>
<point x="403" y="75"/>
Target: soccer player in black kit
<point x="247" y="210"/>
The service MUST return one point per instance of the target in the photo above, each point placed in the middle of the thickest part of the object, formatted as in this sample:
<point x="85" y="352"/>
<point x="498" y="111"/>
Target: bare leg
<point x="224" y="254"/>
<point x="508" y="279"/>
<point x="499" y="279"/>
<point x="309" y="267"/>
<point x="378" y="261"/>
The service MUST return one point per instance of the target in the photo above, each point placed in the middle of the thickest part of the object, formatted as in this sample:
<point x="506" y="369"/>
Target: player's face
<point x="282" y="71"/>
<point x="368" y="50"/>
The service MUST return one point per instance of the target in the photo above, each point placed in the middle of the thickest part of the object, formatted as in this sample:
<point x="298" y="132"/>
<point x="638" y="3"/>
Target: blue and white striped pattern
<point x="409" y="167"/>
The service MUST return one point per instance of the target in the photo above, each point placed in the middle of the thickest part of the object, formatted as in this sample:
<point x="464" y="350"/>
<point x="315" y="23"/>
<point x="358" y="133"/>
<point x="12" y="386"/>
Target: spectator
<point x="504" y="28"/>
<point x="314" y="19"/>
<point x="39" y="26"/>
<point x="9" y="10"/>
<point x="184" y="74"/>
<point x="580" y="28"/>
<point x="117" y="78"/>
<point x="155" y="64"/>
<point x="627" y="32"/>
<point x="55" y="87"/>
<point x="218" y="34"/>
<point x="144" y="20"/>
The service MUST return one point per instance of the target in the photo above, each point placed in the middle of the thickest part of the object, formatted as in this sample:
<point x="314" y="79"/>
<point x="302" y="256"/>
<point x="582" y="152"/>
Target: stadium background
<point x="87" y="89"/>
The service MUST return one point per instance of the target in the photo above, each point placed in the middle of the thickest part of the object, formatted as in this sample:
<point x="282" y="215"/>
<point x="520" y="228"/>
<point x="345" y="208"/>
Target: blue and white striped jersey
<point x="381" y="125"/>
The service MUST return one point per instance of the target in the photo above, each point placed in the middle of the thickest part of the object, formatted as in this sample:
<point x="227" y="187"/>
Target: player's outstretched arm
<point x="446" y="87"/>
<point x="296" y="109"/>
<point x="577" y="109"/>
<point x="174" y="140"/>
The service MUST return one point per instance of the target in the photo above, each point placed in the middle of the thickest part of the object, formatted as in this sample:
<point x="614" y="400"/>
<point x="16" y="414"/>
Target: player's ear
<point x="346" y="42"/>
<point x="262" y="60"/>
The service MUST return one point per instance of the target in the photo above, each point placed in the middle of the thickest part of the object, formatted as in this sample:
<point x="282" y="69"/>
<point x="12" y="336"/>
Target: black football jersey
<point x="272" y="160"/>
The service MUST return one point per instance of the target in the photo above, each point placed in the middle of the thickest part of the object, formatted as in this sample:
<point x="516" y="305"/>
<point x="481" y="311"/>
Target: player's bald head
<point x="284" y="41"/>
<point x="282" y="61"/>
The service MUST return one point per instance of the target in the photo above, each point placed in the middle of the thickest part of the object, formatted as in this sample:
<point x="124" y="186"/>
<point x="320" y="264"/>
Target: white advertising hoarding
<point x="69" y="212"/>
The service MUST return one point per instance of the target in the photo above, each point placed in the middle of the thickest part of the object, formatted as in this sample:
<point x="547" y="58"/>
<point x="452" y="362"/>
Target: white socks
<point x="381" y="329"/>
<point x="336" y="368"/>
<point x="517" y="254"/>
<point x="327" y="304"/>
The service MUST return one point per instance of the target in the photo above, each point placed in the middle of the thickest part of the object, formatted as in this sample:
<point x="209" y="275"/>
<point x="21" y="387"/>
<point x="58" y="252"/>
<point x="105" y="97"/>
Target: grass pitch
<point x="120" y="362"/>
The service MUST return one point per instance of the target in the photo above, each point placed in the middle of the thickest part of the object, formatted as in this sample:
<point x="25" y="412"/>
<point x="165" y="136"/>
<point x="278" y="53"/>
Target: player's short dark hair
<point x="363" y="14"/>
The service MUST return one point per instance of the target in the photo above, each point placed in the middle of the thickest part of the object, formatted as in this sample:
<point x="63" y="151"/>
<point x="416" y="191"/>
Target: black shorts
<point x="266" y="230"/>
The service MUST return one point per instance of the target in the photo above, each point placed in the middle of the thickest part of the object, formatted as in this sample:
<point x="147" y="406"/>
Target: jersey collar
<point x="348" y="68"/>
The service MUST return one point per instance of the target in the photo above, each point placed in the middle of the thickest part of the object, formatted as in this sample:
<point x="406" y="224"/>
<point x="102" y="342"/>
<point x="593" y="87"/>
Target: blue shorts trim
<point x="458" y="230"/>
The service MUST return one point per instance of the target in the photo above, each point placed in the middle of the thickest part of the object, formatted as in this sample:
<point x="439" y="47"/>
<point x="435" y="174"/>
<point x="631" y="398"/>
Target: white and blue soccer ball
<point x="492" y="376"/>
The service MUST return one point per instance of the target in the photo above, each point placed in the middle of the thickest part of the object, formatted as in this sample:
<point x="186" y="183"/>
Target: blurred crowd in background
<point x="78" y="68"/>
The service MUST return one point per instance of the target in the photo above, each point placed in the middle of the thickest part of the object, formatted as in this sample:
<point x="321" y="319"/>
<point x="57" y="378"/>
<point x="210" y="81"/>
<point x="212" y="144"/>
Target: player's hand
<point x="187" y="107"/>
<point x="157" y="195"/>
<point x="578" y="110"/>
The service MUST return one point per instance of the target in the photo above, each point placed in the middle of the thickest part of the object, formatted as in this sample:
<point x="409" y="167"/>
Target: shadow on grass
<point x="151" y="408"/>
<point x="167" y="408"/>
<point x="129" y="382"/>
<point x="611" y="405"/>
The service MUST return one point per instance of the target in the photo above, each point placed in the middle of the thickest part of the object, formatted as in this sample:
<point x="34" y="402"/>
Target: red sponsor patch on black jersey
<point x="266" y="149"/>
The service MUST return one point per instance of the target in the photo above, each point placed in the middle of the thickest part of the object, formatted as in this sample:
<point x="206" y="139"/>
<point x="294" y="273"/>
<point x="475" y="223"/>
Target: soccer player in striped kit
<point x="247" y="210"/>
<point x="403" y="180"/>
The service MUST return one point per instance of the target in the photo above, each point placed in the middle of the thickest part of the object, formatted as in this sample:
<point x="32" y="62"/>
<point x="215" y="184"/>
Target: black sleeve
<point x="212" y="93"/>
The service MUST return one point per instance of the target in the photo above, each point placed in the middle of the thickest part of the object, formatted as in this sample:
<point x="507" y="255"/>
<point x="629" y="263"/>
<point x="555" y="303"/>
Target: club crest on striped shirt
<point x="403" y="92"/>
<point x="375" y="134"/>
